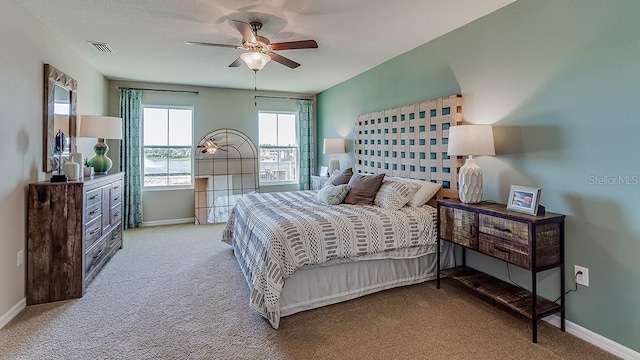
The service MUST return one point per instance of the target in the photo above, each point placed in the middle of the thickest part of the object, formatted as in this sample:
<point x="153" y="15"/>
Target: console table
<point x="534" y="243"/>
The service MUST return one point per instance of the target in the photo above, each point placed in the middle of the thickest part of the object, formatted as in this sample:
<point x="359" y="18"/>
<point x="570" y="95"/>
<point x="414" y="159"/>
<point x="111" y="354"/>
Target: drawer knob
<point x="97" y="255"/>
<point x="501" y="249"/>
<point x="93" y="197"/>
<point x="501" y="229"/>
<point x="117" y="214"/>
<point x="116" y="198"/>
<point x="93" y="211"/>
<point x="94" y="231"/>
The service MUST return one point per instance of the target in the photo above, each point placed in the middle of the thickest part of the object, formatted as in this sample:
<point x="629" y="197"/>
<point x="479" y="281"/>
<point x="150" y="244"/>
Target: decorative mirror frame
<point x="223" y="176"/>
<point x="53" y="77"/>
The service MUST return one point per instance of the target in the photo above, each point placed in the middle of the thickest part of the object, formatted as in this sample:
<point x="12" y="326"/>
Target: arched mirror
<point x="59" y="117"/>
<point x="226" y="167"/>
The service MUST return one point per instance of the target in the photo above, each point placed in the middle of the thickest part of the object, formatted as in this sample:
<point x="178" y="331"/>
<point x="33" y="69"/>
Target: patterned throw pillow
<point x="393" y="194"/>
<point x="426" y="191"/>
<point x="332" y="194"/>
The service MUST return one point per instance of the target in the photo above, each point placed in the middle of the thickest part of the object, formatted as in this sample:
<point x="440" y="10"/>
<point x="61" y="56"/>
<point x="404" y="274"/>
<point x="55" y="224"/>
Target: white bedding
<point x="274" y="234"/>
<point x="221" y="208"/>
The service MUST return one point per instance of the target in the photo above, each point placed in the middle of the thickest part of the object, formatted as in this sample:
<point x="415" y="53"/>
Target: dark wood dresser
<point x="73" y="229"/>
<point x="534" y="243"/>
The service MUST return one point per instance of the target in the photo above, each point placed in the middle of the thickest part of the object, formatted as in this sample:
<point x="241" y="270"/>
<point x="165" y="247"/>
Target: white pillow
<point x="424" y="194"/>
<point x="333" y="194"/>
<point x="394" y="194"/>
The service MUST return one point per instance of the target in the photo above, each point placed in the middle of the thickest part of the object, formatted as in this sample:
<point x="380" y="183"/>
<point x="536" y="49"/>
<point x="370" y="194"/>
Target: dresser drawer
<point x="93" y="197"/>
<point x="92" y="212"/>
<point x="510" y="251"/>
<point x="92" y="232"/>
<point x="94" y="257"/>
<point x="115" y="239"/>
<point x="459" y="226"/>
<point x="504" y="229"/>
<point x="116" y="214"/>
<point x="116" y="192"/>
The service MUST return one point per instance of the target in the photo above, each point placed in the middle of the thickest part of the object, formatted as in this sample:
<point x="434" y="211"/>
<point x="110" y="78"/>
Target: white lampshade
<point x="101" y="127"/>
<point x="470" y="140"/>
<point x="334" y="146"/>
<point x="255" y="60"/>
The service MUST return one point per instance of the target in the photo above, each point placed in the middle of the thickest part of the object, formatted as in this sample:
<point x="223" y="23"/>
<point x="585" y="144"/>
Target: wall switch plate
<point x="582" y="279"/>
<point x="20" y="258"/>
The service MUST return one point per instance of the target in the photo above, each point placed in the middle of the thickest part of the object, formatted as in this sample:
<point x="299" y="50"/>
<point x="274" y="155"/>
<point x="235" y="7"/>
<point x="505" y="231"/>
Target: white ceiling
<point x="148" y="36"/>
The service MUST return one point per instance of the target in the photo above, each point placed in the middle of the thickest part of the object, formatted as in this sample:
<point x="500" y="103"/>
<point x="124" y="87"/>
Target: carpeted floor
<point x="176" y="292"/>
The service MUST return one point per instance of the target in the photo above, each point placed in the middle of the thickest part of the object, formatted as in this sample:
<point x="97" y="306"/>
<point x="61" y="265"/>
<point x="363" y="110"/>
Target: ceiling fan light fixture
<point x="211" y="150"/>
<point x="255" y="60"/>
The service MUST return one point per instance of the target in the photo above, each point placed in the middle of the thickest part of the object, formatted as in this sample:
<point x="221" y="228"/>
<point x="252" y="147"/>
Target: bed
<point x="298" y="253"/>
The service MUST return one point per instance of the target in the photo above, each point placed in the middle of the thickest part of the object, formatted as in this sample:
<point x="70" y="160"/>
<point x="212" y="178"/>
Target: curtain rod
<point x="162" y="90"/>
<point x="278" y="97"/>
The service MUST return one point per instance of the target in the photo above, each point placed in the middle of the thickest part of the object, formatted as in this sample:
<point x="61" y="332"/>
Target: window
<point x="278" y="141"/>
<point x="167" y="144"/>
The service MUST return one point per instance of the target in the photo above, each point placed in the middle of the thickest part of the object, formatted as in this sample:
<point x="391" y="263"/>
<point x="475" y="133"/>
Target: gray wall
<point x="559" y="81"/>
<point x="213" y="109"/>
<point x="26" y="45"/>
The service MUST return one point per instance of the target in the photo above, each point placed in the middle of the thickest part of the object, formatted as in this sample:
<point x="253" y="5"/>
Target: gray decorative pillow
<point x="363" y="189"/>
<point x="341" y="177"/>
<point x="393" y="194"/>
<point x="332" y="194"/>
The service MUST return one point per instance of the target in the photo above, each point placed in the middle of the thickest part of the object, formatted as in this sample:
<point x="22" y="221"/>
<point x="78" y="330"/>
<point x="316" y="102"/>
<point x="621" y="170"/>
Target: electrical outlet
<point x="582" y="279"/>
<point x="20" y="258"/>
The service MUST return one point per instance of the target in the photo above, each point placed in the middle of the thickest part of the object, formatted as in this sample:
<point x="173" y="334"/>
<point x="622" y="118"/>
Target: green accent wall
<point x="560" y="82"/>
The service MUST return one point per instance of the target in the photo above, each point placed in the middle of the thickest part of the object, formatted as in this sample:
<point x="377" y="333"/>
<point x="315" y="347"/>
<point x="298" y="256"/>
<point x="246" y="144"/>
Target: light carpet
<point x="177" y="292"/>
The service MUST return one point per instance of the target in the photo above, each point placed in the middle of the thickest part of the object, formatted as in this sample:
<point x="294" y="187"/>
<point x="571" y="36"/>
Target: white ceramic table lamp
<point x="101" y="127"/>
<point x="470" y="140"/>
<point x="333" y="147"/>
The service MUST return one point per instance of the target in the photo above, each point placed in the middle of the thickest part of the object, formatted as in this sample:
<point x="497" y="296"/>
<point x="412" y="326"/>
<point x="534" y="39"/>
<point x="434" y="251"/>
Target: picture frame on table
<point x="524" y="199"/>
<point x="324" y="171"/>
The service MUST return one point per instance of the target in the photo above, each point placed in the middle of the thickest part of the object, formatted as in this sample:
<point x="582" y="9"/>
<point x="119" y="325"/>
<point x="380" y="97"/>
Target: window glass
<point x="167" y="146"/>
<point x="278" y="143"/>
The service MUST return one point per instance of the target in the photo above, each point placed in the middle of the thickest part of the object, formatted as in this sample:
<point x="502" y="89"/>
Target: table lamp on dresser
<point x="101" y="127"/>
<point x="470" y="140"/>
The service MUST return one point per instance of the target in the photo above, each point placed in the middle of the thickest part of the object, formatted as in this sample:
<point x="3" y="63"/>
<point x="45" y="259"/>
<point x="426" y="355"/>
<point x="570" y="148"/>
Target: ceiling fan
<point x="259" y="49"/>
<point x="209" y="146"/>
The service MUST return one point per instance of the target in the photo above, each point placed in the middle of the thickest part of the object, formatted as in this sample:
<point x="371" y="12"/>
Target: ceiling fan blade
<point x="212" y="44"/>
<point x="292" y="45"/>
<point x="283" y="60"/>
<point x="237" y="62"/>
<point x="245" y="30"/>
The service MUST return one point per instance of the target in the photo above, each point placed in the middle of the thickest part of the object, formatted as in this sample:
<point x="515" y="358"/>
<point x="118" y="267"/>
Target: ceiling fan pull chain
<point x="255" y="87"/>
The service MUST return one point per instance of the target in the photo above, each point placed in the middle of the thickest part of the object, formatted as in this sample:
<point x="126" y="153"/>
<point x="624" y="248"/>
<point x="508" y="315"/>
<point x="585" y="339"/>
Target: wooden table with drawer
<point x="73" y="229"/>
<point x="534" y="243"/>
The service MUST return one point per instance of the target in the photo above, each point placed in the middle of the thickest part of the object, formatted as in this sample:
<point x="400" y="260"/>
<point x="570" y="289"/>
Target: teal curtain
<point x="307" y="153"/>
<point x="130" y="112"/>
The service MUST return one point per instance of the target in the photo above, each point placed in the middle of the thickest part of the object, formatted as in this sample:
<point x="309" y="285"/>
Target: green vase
<point x="101" y="163"/>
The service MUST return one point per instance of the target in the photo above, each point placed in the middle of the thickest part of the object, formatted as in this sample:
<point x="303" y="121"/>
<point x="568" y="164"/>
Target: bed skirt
<point x="317" y="286"/>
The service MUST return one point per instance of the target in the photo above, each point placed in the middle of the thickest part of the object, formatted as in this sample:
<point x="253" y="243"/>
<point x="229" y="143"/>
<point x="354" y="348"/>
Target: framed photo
<point x="524" y="199"/>
<point x="324" y="171"/>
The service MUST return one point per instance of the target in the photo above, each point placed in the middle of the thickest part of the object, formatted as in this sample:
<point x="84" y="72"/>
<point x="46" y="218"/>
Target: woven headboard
<point x="411" y="141"/>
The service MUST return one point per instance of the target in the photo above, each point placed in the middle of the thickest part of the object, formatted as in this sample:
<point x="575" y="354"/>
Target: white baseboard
<point x="169" y="222"/>
<point x="594" y="339"/>
<point x="15" y="310"/>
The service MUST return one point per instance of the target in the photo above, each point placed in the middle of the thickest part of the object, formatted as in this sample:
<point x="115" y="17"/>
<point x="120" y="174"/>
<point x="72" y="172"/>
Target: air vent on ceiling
<point x="100" y="46"/>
